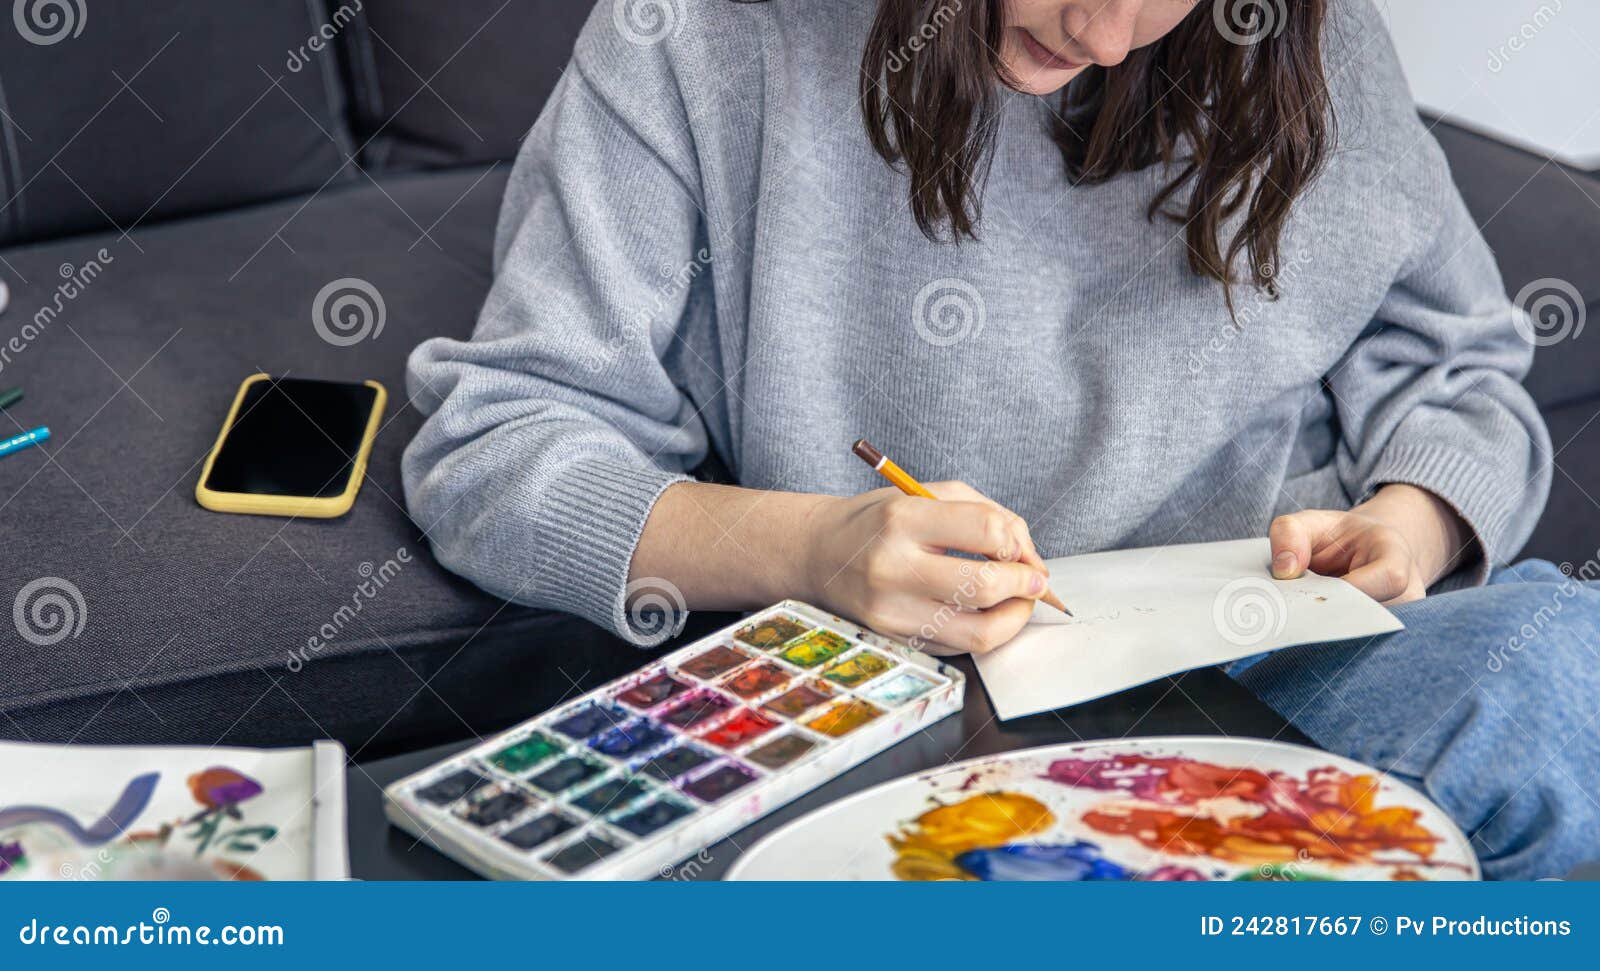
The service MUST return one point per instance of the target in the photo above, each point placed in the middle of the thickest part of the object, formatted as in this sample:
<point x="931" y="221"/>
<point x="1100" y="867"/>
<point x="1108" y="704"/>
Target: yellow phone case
<point x="304" y="507"/>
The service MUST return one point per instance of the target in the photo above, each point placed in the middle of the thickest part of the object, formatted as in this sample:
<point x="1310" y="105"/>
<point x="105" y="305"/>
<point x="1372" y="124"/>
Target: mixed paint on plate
<point x="1157" y="809"/>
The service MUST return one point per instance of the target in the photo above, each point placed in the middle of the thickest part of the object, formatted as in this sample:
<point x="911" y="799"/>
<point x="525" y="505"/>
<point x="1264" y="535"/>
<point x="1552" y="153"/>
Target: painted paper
<point x="88" y="812"/>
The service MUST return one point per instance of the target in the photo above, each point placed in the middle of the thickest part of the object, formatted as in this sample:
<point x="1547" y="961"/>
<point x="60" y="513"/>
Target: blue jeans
<point x="1488" y="701"/>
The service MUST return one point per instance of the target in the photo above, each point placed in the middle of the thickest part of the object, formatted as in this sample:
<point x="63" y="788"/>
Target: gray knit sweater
<point x="699" y="253"/>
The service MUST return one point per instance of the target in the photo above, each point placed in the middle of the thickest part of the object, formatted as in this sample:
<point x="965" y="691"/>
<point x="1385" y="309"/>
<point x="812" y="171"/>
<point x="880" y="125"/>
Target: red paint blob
<point x="757" y="680"/>
<point x="741" y="728"/>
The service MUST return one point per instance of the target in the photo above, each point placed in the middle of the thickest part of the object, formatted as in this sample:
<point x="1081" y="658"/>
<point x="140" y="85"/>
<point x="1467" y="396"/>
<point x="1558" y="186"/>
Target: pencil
<point x="9" y="398"/>
<point x="902" y="480"/>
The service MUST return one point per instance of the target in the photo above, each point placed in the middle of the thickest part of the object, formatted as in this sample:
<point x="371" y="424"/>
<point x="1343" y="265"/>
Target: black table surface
<point x="1203" y="702"/>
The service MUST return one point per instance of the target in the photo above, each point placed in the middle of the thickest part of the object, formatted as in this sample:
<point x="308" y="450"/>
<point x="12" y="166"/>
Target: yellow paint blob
<point x="928" y="846"/>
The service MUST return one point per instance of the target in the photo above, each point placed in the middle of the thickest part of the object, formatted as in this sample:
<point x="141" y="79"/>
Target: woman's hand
<point x="1391" y="547"/>
<point x="881" y="558"/>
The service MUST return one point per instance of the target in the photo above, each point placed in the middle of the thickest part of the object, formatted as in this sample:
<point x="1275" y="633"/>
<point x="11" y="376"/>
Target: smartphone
<point x="292" y="447"/>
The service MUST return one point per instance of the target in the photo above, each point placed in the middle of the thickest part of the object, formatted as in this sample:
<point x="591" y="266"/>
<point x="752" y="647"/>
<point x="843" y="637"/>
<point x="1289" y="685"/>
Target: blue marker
<point x="24" y="440"/>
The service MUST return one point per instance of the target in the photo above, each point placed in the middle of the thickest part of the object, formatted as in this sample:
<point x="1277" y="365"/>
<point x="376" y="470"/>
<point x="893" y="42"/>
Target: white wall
<point x="1527" y="71"/>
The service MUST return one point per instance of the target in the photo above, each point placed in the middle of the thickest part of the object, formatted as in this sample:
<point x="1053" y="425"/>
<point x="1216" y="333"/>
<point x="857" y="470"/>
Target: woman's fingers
<point x="975" y="583"/>
<point x="1374" y="560"/>
<point x="971" y="527"/>
<point x="972" y="632"/>
<point x="1298" y="538"/>
<point x="1382" y="580"/>
<point x="974" y="520"/>
<point x="1386" y="574"/>
<point x="912" y="588"/>
<point x="953" y="490"/>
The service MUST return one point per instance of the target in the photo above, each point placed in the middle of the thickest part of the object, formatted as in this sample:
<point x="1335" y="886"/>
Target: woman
<point x="1127" y="272"/>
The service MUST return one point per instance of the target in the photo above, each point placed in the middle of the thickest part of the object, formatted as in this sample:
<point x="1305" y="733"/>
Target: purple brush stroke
<point x="135" y="797"/>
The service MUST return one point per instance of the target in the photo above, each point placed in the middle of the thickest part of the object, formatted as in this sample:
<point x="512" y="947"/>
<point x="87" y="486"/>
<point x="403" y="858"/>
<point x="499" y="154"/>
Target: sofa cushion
<point x="123" y="113"/>
<point x="188" y="617"/>
<point x="438" y="84"/>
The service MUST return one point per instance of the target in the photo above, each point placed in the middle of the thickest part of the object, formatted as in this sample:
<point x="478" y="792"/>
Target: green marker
<point x="10" y="397"/>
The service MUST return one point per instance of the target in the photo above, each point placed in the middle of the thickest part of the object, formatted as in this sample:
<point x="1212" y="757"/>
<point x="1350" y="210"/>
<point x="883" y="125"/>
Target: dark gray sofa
<point x="217" y="166"/>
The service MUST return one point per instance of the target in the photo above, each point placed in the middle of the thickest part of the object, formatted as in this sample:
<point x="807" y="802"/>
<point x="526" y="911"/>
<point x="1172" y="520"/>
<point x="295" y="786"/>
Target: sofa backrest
<point x="438" y="83"/>
<point x="114" y="115"/>
<point x="117" y="114"/>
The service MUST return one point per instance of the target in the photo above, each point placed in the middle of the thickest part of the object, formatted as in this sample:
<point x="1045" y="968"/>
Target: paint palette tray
<point x="629" y="779"/>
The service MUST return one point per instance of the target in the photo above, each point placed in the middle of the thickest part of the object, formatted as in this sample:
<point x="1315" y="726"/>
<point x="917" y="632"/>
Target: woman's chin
<point x="1028" y="78"/>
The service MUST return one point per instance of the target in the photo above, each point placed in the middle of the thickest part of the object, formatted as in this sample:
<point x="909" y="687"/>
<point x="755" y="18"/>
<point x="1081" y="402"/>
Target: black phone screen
<point x="294" y="437"/>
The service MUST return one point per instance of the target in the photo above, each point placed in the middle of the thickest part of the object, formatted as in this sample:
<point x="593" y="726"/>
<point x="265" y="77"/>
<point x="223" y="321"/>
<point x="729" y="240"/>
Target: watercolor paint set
<point x="646" y="771"/>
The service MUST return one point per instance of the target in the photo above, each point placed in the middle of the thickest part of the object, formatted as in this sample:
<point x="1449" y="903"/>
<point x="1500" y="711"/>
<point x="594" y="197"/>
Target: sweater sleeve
<point x="553" y="431"/>
<point x="1430" y="395"/>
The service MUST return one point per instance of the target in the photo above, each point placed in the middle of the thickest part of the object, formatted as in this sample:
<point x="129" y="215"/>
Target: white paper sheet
<point x="1147" y="613"/>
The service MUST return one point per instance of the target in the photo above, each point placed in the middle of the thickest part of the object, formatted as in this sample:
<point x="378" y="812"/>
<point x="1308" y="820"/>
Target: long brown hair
<point x="1240" y="110"/>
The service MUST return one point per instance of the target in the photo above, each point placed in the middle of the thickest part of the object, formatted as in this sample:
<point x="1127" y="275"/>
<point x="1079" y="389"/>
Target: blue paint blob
<point x="590" y="719"/>
<point x="1030" y="861"/>
<point x="630" y="739"/>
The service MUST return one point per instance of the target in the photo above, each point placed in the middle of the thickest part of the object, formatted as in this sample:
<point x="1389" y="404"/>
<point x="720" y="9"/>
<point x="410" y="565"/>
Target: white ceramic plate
<point x="1141" y="809"/>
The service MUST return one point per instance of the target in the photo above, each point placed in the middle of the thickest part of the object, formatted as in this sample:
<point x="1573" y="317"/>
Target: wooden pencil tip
<point x="1055" y="601"/>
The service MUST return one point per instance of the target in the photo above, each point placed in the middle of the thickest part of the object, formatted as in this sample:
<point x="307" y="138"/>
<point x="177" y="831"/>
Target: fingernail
<point x="1037" y="586"/>
<point x="1283" y="564"/>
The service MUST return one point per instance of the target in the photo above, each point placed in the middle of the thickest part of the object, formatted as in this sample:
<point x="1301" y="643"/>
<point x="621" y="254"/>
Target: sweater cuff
<point x="598" y="511"/>
<point x="1476" y="491"/>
